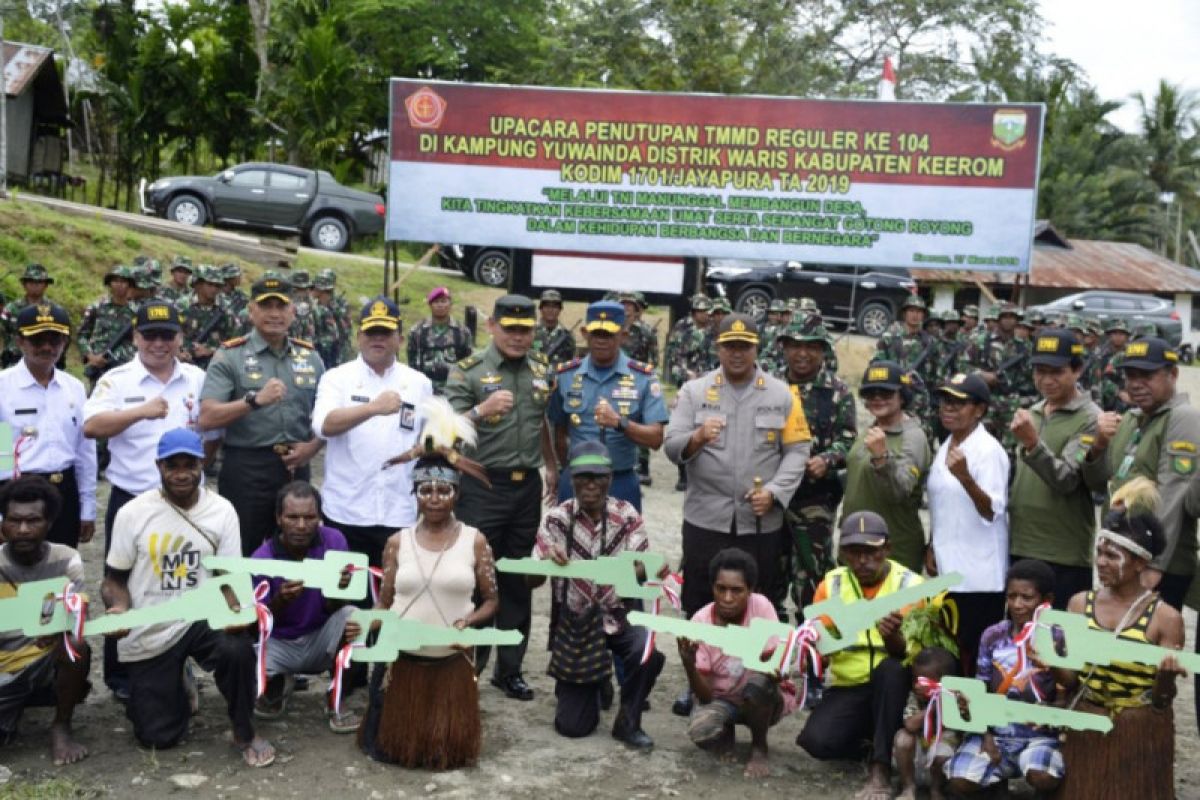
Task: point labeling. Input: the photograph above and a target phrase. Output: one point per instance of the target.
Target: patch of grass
(12, 250)
(37, 235)
(52, 789)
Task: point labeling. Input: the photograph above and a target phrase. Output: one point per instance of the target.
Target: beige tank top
(435, 586)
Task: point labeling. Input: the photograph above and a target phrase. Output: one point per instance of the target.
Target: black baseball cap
(737, 328)
(271, 285)
(864, 528)
(43, 318)
(884, 375)
(1055, 347)
(589, 458)
(1149, 352)
(967, 386)
(158, 315)
(514, 310)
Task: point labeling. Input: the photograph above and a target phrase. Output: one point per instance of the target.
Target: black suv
(867, 297)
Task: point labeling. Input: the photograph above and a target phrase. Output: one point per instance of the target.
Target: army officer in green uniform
(260, 388)
(504, 390)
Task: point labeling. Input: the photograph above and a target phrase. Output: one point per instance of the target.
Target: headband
(1120, 540)
(433, 473)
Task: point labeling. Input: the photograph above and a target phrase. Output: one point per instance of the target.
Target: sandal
(258, 753)
(345, 722)
(274, 701)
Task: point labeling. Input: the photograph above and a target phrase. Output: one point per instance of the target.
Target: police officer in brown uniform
(261, 388)
(504, 390)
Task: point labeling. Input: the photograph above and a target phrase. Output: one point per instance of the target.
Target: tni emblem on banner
(1008, 129)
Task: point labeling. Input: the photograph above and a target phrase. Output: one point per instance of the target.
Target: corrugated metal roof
(21, 65)
(1088, 264)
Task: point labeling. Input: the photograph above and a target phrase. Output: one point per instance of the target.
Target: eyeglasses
(158, 335)
(428, 490)
(876, 394)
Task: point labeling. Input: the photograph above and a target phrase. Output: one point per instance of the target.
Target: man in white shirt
(132, 406)
(367, 411)
(44, 406)
(159, 540)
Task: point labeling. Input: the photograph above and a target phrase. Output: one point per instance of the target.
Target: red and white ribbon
(374, 579)
(341, 663)
(266, 624)
(76, 607)
(801, 647)
(18, 446)
(931, 728)
(1022, 642)
(672, 590)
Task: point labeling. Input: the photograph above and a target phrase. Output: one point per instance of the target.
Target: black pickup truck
(274, 197)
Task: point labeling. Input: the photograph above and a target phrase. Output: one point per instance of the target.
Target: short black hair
(938, 658)
(1036, 572)
(734, 560)
(30, 489)
(300, 490)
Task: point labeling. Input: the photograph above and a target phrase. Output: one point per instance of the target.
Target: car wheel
(873, 319)
(492, 268)
(754, 302)
(187, 209)
(329, 233)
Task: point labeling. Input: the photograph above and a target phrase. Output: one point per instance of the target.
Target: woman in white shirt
(968, 498)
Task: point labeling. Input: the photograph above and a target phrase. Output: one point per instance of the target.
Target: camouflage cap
(627, 297)
(793, 304)
(154, 268)
(323, 282)
(971, 310)
(701, 303)
(993, 313)
(1010, 308)
(914, 301)
(808, 329)
(328, 273)
(230, 270)
(641, 300)
(181, 262)
(1093, 327)
(122, 271)
(1075, 323)
(142, 278)
(1036, 316)
(808, 304)
(140, 260)
(1145, 328)
(301, 279)
(777, 305)
(721, 306)
(1116, 324)
(932, 320)
(950, 315)
(550, 296)
(207, 273)
(36, 272)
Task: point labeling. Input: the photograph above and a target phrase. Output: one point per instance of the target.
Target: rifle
(1003, 369)
(929, 348)
(207, 330)
(91, 372)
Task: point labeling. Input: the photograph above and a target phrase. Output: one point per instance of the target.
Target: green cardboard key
(323, 574)
(994, 710)
(619, 571)
(746, 642)
(851, 618)
(6, 446)
(24, 612)
(1086, 645)
(396, 635)
(205, 602)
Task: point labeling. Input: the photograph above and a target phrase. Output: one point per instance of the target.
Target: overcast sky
(1127, 46)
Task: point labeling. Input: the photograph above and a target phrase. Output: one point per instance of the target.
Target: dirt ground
(522, 755)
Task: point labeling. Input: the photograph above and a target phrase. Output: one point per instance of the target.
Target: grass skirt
(423, 713)
(1134, 761)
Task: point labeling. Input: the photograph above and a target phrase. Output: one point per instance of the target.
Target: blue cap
(180, 440)
(379, 313)
(605, 315)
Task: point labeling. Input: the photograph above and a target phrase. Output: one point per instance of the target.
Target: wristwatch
(622, 424)
(251, 399)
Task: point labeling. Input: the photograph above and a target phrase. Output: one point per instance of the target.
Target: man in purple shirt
(308, 627)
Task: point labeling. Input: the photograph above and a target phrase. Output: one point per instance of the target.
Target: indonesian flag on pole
(887, 84)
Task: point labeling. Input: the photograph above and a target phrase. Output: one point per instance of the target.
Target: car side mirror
(795, 266)
(226, 176)
(1078, 305)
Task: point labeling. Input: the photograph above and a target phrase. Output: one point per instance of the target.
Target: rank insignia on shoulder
(641, 366)
(538, 356)
(1182, 445)
(301, 342)
(1087, 440)
(568, 365)
(236, 341)
(468, 362)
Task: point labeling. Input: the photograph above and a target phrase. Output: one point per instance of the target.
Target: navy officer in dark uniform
(610, 398)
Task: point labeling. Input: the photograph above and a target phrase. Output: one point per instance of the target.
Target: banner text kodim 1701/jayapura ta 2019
(931, 185)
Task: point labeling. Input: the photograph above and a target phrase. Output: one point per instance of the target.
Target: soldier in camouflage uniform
(331, 339)
(1112, 383)
(952, 347)
(550, 338)
(1004, 365)
(1092, 377)
(686, 354)
(436, 344)
(35, 279)
(304, 326)
(720, 310)
(832, 418)
(234, 299)
(206, 323)
(641, 340)
(179, 288)
(907, 343)
(104, 319)
(144, 286)
(341, 308)
(970, 320)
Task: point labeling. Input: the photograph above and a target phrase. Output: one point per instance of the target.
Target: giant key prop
(396, 635)
(1086, 645)
(994, 710)
(322, 574)
(619, 571)
(25, 611)
(6, 446)
(851, 618)
(204, 603)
